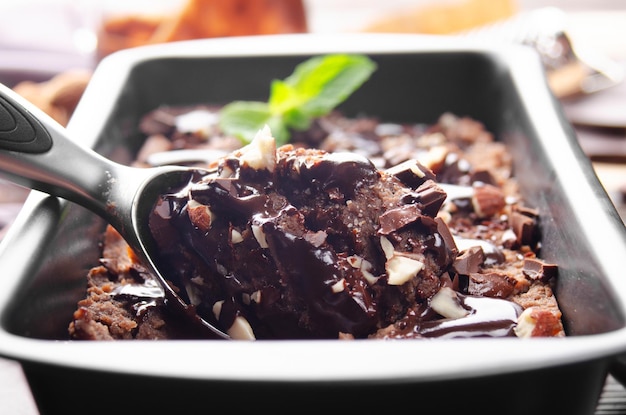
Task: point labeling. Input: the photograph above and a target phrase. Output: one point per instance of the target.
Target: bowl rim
(287, 360)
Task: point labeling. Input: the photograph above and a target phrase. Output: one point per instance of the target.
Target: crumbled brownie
(123, 301)
(382, 231)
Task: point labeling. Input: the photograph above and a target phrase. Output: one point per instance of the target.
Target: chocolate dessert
(355, 229)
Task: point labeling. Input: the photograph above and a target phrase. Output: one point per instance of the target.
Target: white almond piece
(339, 286)
(194, 203)
(410, 164)
(387, 247)
(355, 261)
(193, 293)
(202, 122)
(256, 296)
(417, 171)
(508, 236)
(217, 308)
(226, 172)
(261, 152)
(433, 139)
(365, 266)
(446, 303)
(525, 324)
(401, 269)
(259, 235)
(235, 236)
(241, 330)
(200, 215)
(457, 191)
(436, 156)
(369, 277)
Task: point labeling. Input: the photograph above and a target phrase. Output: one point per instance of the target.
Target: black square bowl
(47, 253)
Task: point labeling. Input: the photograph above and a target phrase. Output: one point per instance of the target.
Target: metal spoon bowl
(36, 152)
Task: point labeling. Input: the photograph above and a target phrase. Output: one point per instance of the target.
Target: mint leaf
(314, 89)
(244, 119)
(321, 83)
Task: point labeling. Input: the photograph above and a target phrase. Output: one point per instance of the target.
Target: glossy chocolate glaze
(290, 275)
(389, 231)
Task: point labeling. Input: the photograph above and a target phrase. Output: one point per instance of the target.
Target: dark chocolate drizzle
(293, 255)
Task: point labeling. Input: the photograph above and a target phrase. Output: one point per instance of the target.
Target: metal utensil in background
(570, 71)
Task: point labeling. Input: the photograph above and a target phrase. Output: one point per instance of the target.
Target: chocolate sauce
(316, 244)
(277, 245)
(144, 296)
(297, 224)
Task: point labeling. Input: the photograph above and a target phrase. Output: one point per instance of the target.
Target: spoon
(36, 152)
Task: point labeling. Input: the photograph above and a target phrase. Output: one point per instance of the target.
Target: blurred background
(42, 37)
(49, 49)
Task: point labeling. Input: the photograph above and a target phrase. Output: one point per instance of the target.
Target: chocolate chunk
(469, 261)
(431, 197)
(394, 219)
(308, 243)
(448, 239)
(523, 227)
(536, 269)
(412, 173)
(344, 171)
(493, 254)
(492, 284)
(295, 226)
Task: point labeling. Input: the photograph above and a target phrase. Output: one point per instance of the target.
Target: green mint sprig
(314, 89)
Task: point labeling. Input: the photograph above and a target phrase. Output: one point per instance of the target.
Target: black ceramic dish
(47, 253)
